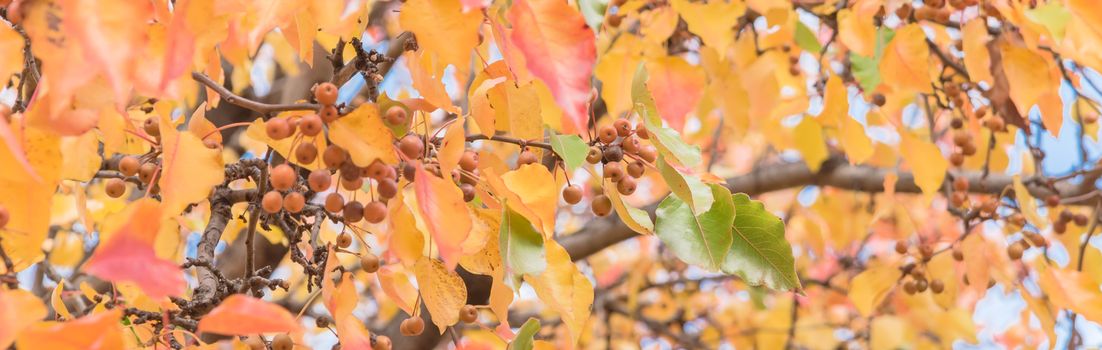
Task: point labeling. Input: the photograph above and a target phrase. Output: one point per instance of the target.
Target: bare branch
(263, 108)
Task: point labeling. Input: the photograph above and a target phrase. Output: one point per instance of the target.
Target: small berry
(960, 183)
(909, 287)
(310, 125)
(641, 131)
(636, 169)
(369, 263)
(329, 114)
(152, 127)
(145, 172)
(306, 153)
(344, 240)
(277, 128)
(128, 165)
(900, 247)
(607, 134)
(326, 93)
(631, 145)
(334, 202)
(614, 172)
(5, 216)
(601, 205)
(613, 154)
(626, 186)
(623, 127)
(377, 170)
(319, 180)
(294, 202)
(526, 157)
(375, 212)
(382, 342)
(468, 161)
(1015, 250)
(333, 156)
(282, 177)
(353, 212)
(272, 202)
(1052, 200)
(387, 188)
(352, 185)
(648, 154)
(879, 100)
(594, 156)
(921, 285)
(323, 321)
(282, 342)
(937, 286)
(396, 116)
(115, 187)
(468, 192)
(468, 314)
(572, 194)
(413, 326)
(412, 146)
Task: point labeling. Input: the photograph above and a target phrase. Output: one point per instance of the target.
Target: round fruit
(526, 157)
(334, 202)
(344, 240)
(282, 177)
(636, 169)
(1052, 200)
(145, 172)
(1015, 251)
(306, 153)
(1080, 219)
(409, 172)
(878, 99)
(623, 127)
(595, 155)
(468, 192)
(921, 285)
(468, 161)
(382, 342)
(277, 128)
(310, 125)
(333, 156)
(319, 180)
(115, 187)
(396, 115)
(648, 154)
(900, 247)
(631, 145)
(607, 134)
(626, 186)
(377, 170)
(350, 172)
(352, 185)
(960, 184)
(937, 286)
(129, 165)
(5, 216)
(412, 146)
(602, 205)
(369, 263)
(387, 188)
(957, 158)
(995, 123)
(353, 212)
(614, 154)
(323, 321)
(413, 326)
(641, 131)
(282, 342)
(468, 314)
(375, 212)
(256, 343)
(272, 202)
(614, 172)
(326, 93)
(294, 202)
(572, 194)
(909, 287)
(152, 127)
(329, 114)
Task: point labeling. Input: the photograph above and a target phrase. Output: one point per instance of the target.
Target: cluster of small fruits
(624, 159)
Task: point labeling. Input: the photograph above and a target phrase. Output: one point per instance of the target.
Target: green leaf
(760, 254)
(593, 11)
(1053, 16)
(666, 140)
(525, 339)
(687, 187)
(700, 239)
(571, 148)
(636, 219)
(521, 247)
(805, 39)
(867, 69)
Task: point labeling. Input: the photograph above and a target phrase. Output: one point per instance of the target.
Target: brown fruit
(614, 20)
(256, 343)
(641, 131)
(1036, 239)
(326, 93)
(900, 247)
(626, 186)
(631, 145)
(323, 321)
(1015, 250)
(961, 138)
(129, 165)
(152, 127)
(333, 156)
(937, 286)
(282, 342)
(468, 192)
(960, 183)
(329, 114)
(878, 99)
(306, 153)
(956, 123)
(613, 154)
(1060, 227)
(594, 156)
(969, 149)
(468, 161)
(636, 169)
(294, 202)
(413, 326)
(277, 128)
(995, 123)
(375, 212)
(382, 342)
(353, 212)
(572, 194)
(956, 158)
(623, 127)
(958, 253)
(926, 251)
(526, 157)
(601, 205)
(350, 172)
(614, 172)
(1052, 200)
(5, 216)
(115, 187)
(409, 172)
(352, 185)
(344, 240)
(396, 116)
(282, 177)
(272, 202)
(921, 285)
(1080, 219)
(387, 188)
(648, 154)
(468, 314)
(334, 202)
(319, 180)
(903, 12)
(412, 146)
(607, 134)
(377, 170)
(310, 125)
(369, 263)
(909, 287)
(145, 172)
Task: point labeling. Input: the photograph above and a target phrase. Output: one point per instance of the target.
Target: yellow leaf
(28, 200)
(855, 142)
(96, 331)
(443, 292)
(80, 157)
(11, 53)
(19, 309)
(782, 27)
(704, 20)
(658, 24)
(1033, 79)
(976, 58)
(1073, 290)
(452, 147)
(426, 81)
(57, 303)
(906, 63)
(443, 211)
(926, 162)
(726, 90)
(1046, 316)
(870, 287)
(189, 171)
(890, 332)
(564, 288)
(406, 241)
(857, 31)
(539, 198)
(809, 140)
(615, 70)
(201, 127)
(517, 110)
(443, 30)
(364, 136)
(485, 226)
(636, 219)
(395, 282)
(1027, 203)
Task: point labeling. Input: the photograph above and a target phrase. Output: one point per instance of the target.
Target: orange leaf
(559, 49)
(444, 211)
(677, 87)
(906, 63)
(18, 310)
(129, 256)
(396, 285)
(28, 200)
(443, 31)
(111, 33)
(190, 169)
(243, 315)
(99, 331)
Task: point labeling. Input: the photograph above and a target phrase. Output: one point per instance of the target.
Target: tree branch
(262, 108)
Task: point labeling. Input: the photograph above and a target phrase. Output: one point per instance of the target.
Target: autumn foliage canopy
(549, 174)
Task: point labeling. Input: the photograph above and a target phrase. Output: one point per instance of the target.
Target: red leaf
(129, 255)
(677, 87)
(559, 49)
(243, 315)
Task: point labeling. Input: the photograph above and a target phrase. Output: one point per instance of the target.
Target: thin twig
(262, 108)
